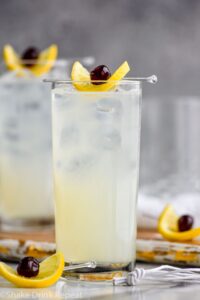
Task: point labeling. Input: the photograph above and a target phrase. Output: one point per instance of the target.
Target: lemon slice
(168, 227)
(44, 63)
(12, 60)
(50, 271)
(82, 82)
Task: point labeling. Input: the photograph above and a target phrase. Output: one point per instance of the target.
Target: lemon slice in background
(12, 60)
(82, 82)
(50, 271)
(44, 63)
(168, 227)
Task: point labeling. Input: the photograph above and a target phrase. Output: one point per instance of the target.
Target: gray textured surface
(155, 36)
(73, 290)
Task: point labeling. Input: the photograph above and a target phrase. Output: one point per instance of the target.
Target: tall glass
(170, 152)
(26, 200)
(25, 154)
(96, 138)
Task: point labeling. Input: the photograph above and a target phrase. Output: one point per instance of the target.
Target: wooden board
(39, 236)
(49, 235)
(151, 247)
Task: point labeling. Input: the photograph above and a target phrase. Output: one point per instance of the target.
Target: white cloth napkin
(149, 208)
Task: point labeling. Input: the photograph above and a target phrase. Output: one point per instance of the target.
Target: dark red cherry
(185, 222)
(31, 53)
(28, 267)
(100, 73)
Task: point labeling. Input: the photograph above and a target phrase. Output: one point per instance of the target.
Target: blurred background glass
(26, 181)
(170, 152)
(25, 151)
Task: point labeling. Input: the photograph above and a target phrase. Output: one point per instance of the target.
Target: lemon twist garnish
(43, 65)
(168, 227)
(50, 271)
(82, 82)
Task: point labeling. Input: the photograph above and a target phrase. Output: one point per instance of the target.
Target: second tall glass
(26, 198)
(25, 154)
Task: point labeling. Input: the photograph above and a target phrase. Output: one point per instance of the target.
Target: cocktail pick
(150, 79)
(162, 274)
(89, 264)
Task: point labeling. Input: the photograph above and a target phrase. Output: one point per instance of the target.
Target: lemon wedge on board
(50, 271)
(168, 227)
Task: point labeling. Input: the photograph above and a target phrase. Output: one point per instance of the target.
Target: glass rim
(4, 66)
(126, 80)
(60, 60)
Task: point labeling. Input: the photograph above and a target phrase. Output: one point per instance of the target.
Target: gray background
(155, 36)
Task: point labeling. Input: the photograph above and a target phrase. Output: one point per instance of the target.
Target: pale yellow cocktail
(96, 140)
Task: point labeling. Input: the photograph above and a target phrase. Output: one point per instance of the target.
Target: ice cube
(108, 108)
(7, 76)
(80, 163)
(69, 135)
(12, 75)
(106, 138)
(62, 101)
(111, 140)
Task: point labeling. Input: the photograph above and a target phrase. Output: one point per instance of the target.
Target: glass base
(26, 224)
(102, 272)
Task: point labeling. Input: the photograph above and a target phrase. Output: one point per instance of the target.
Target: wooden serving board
(151, 247)
(49, 235)
(15, 245)
(39, 236)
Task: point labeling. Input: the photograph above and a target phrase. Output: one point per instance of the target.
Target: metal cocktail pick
(89, 264)
(150, 79)
(160, 274)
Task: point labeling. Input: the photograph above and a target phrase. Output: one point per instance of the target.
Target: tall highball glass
(96, 141)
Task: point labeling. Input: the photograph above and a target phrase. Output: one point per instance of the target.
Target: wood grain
(40, 236)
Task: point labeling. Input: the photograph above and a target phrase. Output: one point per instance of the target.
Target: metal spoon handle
(150, 79)
(89, 264)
